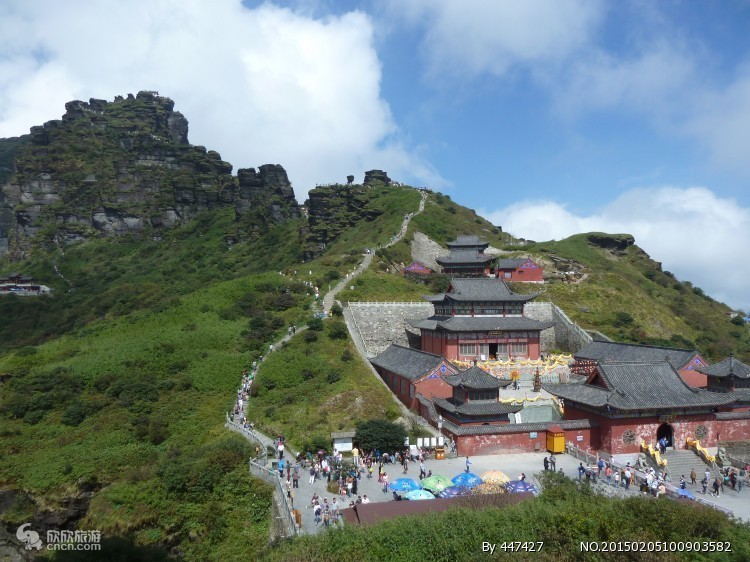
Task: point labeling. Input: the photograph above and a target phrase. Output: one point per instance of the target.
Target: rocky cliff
(331, 210)
(112, 168)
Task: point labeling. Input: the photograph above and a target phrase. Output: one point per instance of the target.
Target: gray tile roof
(613, 351)
(468, 240)
(479, 323)
(491, 429)
(476, 378)
(483, 289)
(730, 366)
(464, 256)
(639, 386)
(406, 362)
(477, 407)
(733, 416)
(510, 263)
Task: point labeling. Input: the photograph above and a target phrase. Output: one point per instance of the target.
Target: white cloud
(697, 235)
(472, 37)
(263, 85)
(722, 121)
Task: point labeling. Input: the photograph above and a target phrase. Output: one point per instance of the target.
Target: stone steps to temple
(681, 463)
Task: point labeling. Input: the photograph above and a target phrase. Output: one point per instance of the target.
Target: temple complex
(480, 319)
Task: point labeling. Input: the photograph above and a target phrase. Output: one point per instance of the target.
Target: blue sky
(549, 117)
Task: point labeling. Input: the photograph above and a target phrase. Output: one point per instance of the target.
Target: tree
(381, 435)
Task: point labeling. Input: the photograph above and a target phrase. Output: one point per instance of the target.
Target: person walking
(581, 471)
(385, 482)
(627, 478)
(608, 474)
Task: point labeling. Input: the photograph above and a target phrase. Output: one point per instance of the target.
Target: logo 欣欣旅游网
(28, 537)
(60, 540)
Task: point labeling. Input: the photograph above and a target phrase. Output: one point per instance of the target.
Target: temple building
(480, 319)
(467, 258)
(408, 372)
(635, 402)
(730, 375)
(687, 362)
(519, 270)
(475, 399)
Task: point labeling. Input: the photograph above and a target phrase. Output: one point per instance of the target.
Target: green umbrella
(436, 483)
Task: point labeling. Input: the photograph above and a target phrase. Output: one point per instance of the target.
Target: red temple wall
(516, 442)
(433, 388)
(693, 378)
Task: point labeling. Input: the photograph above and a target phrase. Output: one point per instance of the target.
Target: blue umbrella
(419, 495)
(468, 479)
(516, 486)
(684, 493)
(454, 491)
(403, 485)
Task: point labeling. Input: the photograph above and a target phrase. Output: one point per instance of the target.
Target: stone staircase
(681, 462)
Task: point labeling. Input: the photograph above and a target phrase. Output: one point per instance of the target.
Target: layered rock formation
(123, 167)
(331, 210)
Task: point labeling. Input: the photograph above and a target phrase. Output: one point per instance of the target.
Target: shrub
(33, 417)
(284, 301)
(333, 377)
(347, 355)
(26, 351)
(337, 330)
(316, 325)
(310, 336)
(622, 319)
(75, 414)
(336, 309)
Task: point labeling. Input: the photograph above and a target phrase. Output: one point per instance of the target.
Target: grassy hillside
(122, 377)
(627, 296)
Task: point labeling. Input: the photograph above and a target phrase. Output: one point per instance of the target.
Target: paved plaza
(511, 464)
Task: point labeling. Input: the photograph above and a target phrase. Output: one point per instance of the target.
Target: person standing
(608, 474)
(581, 471)
(546, 464)
(384, 479)
(552, 462)
(421, 470)
(628, 475)
(468, 463)
(693, 476)
(355, 456)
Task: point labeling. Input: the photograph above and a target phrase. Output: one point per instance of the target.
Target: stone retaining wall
(381, 324)
(565, 335)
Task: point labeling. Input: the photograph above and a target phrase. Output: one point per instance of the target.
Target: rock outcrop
(331, 210)
(376, 176)
(123, 167)
(613, 242)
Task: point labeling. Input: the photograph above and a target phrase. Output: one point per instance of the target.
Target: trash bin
(439, 453)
